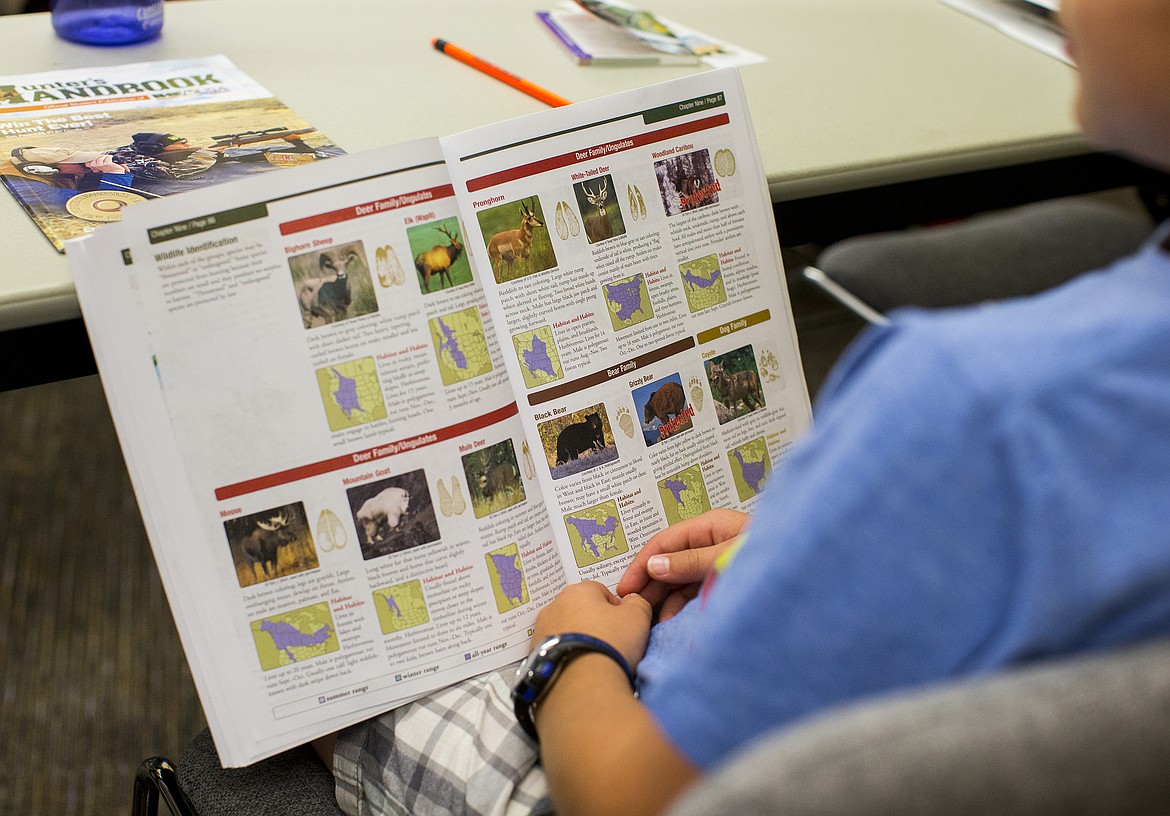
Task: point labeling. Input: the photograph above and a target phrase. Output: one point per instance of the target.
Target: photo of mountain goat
(393, 514)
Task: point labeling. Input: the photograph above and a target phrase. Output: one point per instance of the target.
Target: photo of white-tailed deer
(514, 245)
(597, 226)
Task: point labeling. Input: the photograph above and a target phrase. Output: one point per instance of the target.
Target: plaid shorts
(457, 751)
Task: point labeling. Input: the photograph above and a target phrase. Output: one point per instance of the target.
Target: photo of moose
(271, 544)
(493, 478)
(393, 514)
(662, 404)
(735, 383)
(517, 239)
(333, 284)
(687, 182)
(578, 441)
(599, 209)
(439, 259)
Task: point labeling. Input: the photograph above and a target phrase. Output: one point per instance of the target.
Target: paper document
(379, 410)
(1033, 23)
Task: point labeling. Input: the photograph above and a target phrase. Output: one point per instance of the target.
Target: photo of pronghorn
(735, 383)
(439, 259)
(271, 544)
(493, 478)
(687, 182)
(599, 208)
(393, 514)
(333, 284)
(517, 239)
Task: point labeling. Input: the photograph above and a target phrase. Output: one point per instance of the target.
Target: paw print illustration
(625, 421)
(696, 393)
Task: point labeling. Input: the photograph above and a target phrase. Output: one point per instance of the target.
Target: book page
(324, 441)
(79, 145)
(632, 269)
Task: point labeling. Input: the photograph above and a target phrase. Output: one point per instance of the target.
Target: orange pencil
(545, 96)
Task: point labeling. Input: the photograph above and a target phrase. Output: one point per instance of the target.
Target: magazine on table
(379, 410)
(79, 145)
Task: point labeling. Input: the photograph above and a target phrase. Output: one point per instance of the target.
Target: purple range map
(287, 637)
(627, 296)
(511, 578)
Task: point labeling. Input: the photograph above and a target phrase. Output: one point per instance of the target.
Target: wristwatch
(536, 674)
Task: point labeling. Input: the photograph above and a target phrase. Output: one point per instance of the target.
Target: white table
(856, 95)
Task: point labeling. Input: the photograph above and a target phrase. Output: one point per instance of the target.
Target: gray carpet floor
(92, 677)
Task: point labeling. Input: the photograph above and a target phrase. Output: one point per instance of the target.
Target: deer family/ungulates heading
(597, 226)
(438, 260)
(514, 245)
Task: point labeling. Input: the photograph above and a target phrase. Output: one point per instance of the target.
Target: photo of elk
(393, 514)
(271, 544)
(493, 478)
(577, 441)
(687, 182)
(599, 208)
(439, 257)
(735, 383)
(333, 284)
(663, 406)
(517, 239)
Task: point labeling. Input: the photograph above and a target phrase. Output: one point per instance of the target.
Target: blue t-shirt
(983, 487)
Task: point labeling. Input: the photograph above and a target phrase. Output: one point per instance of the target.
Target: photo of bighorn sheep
(333, 283)
(517, 239)
(439, 256)
(599, 208)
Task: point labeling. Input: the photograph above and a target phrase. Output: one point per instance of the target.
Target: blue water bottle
(107, 22)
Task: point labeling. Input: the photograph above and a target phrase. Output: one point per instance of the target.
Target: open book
(377, 411)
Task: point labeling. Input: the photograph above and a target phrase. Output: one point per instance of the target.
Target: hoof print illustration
(641, 203)
(529, 465)
(562, 223)
(724, 163)
(458, 503)
(446, 506)
(331, 533)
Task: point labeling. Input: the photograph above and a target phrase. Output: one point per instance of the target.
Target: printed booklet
(78, 145)
(379, 410)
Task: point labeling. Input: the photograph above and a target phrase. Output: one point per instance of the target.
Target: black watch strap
(536, 674)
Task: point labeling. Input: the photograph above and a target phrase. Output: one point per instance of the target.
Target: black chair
(988, 257)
